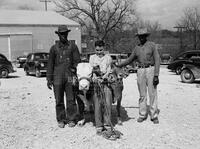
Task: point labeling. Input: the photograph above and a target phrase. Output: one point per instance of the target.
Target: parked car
(36, 63)
(118, 57)
(190, 72)
(21, 61)
(184, 58)
(166, 59)
(6, 67)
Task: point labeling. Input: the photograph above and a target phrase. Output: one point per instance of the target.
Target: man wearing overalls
(63, 59)
(146, 54)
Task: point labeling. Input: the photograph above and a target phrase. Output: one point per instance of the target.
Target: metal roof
(28, 17)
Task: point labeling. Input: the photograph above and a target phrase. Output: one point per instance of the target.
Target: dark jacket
(62, 58)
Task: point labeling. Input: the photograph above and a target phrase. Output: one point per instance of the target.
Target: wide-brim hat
(142, 31)
(62, 29)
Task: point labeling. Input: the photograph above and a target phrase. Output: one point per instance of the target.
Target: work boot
(141, 119)
(61, 124)
(155, 120)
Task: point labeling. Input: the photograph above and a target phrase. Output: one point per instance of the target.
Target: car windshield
(165, 56)
(41, 56)
(123, 57)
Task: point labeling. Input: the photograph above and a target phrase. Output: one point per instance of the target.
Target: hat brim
(57, 32)
(146, 34)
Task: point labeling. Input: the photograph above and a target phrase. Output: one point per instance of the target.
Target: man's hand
(49, 84)
(155, 80)
(96, 71)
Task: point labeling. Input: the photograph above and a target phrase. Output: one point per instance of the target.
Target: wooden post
(45, 2)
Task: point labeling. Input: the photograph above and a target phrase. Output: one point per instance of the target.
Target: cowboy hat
(142, 31)
(62, 29)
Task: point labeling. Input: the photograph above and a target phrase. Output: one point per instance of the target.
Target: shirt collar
(143, 45)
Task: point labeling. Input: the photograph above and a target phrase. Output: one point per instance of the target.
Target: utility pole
(45, 2)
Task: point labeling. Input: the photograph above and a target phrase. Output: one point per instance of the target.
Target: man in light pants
(147, 56)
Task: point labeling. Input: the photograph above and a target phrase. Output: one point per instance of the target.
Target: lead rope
(113, 130)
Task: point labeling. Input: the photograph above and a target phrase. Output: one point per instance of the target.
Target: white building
(22, 32)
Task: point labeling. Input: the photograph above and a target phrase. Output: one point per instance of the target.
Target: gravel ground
(27, 117)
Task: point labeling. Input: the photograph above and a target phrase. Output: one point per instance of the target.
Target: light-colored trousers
(145, 81)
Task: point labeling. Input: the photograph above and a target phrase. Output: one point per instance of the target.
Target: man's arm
(157, 61)
(128, 60)
(50, 65)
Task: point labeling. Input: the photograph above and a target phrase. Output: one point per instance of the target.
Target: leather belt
(145, 65)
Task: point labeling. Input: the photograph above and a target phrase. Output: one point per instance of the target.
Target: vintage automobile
(6, 67)
(36, 63)
(183, 58)
(21, 61)
(190, 72)
(166, 59)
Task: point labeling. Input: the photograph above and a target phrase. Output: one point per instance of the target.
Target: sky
(166, 12)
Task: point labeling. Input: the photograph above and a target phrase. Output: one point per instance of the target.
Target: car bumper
(43, 71)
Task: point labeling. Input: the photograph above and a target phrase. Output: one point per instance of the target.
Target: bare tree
(191, 22)
(102, 16)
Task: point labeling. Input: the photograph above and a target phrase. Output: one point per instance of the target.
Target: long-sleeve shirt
(146, 54)
(103, 62)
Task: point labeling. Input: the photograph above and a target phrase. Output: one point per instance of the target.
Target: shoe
(109, 135)
(155, 120)
(99, 131)
(141, 119)
(71, 124)
(61, 124)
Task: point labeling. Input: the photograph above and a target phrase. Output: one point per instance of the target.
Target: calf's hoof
(81, 122)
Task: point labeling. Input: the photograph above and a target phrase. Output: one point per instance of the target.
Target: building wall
(26, 39)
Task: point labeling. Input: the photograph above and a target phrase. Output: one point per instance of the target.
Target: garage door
(20, 45)
(4, 45)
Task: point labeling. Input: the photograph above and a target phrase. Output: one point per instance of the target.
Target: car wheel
(4, 73)
(178, 70)
(37, 73)
(187, 76)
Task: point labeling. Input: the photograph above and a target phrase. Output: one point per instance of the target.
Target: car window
(32, 57)
(123, 57)
(28, 57)
(41, 56)
(113, 57)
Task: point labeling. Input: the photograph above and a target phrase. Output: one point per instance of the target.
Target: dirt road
(27, 117)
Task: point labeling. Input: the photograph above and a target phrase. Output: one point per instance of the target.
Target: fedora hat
(142, 31)
(62, 29)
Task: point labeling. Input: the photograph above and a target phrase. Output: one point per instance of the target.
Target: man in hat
(63, 59)
(147, 56)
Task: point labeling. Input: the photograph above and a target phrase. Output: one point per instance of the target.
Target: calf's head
(84, 74)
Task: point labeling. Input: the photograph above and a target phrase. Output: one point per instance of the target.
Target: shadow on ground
(9, 77)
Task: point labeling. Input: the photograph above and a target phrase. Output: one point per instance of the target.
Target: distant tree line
(116, 22)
